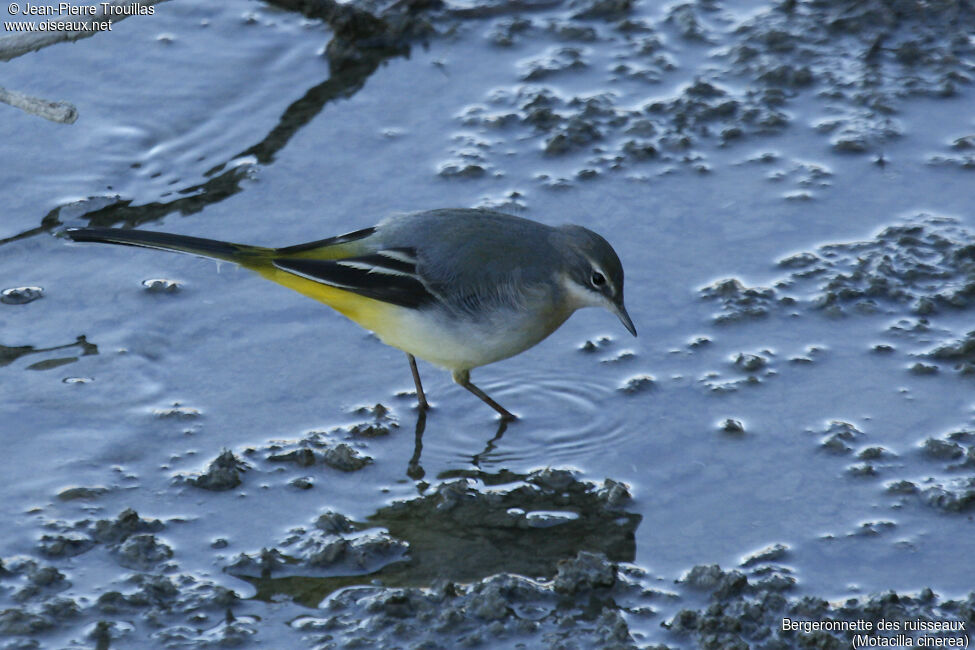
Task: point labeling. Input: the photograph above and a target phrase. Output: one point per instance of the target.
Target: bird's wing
(475, 261)
(388, 275)
(353, 243)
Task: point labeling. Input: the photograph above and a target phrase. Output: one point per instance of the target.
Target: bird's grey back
(480, 254)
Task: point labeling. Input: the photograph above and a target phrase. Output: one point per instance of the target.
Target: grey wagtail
(460, 288)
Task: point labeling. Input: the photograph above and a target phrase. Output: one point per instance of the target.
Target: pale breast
(463, 343)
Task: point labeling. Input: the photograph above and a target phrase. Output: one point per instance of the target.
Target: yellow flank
(373, 315)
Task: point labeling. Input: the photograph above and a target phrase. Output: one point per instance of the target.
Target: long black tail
(168, 242)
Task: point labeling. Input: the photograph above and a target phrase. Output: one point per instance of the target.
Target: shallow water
(227, 361)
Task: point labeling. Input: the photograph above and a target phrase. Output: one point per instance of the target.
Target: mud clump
(960, 353)
(222, 474)
(732, 427)
(500, 609)
(65, 545)
(922, 369)
(750, 363)
(128, 523)
(35, 581)
(771, 553)
(755, 70)
(839, 437)
(924, 265)
(321, 448)
(601, 9)
(166, 598)
(79, 492)
(638, 384)
(953, 488)
(954, 495)
(534, 552)
(39, 599)
(747, 611)
(456, 531)
(143, 552)
(585, 572)
(129, 536)
(750, 369)
(161, 286)
(379, 422)
(340, 456)
(300, 457)
(949, 488)
(954, 446)
(740, 303)
(911, 51)
(560, 59)
(345, 458)
(20, 295)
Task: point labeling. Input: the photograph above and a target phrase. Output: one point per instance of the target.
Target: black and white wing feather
(388, 275)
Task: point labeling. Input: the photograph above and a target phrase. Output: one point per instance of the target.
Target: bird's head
(593, 273)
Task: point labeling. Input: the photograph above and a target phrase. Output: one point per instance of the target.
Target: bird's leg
(463, 377)
(420, 397)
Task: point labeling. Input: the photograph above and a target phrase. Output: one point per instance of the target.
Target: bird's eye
(597, 279)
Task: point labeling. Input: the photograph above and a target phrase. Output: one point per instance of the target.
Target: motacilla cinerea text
(459, 288)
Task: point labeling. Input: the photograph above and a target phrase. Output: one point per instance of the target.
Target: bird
(457, 287)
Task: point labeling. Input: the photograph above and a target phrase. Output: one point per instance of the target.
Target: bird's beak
(620, 312)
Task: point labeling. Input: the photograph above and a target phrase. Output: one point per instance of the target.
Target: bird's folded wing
(328, 249)
(387, 275)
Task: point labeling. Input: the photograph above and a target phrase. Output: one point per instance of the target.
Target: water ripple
(562, 420)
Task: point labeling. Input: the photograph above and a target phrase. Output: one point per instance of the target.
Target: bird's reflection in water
(416, 472)
(470, 525)
(465, 526)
